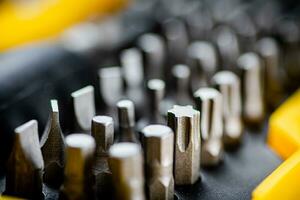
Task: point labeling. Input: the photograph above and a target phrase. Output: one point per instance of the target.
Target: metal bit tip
(126, 164)
(126, 113)
(159, 148)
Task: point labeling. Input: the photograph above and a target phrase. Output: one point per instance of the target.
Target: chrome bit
(25, 164)
(269, 51)
(209, 103)
(159, 150)
(53, 149)
(252, 87)
(84, 108)
(154, 47)
(177, 40)
(132, 66)
(227, 43)
(185, 122)
(229, 86)
(78, 179)
(111, 85)
(126, 164)
(202, 58)
(182, 74)
(126, 117)
(103, 133)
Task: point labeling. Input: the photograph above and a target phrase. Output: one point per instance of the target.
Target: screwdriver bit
(229, 85)
(53, 149)
(185, 122)
(132, 66)
(103, 133)
(126, 117)
(126, 164)
(25, 164)
(252, 87)
(227, 44)
(273, 90)
(156, 90)
(84, 108)
(111, 85)
(154, 48)
(209, 103)
(177, 40)
(182, 74)
(78, 178)
(202, 57)
(159, 150)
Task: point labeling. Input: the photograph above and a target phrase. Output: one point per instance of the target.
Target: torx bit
(126, 115)
(154, 48)
(209, 103)
(53, 149)
(103, 133)
(84, 108)
(273, 90)
(111, 85)
(78, 179)
(159, 150)
(229, 85)
(202, 57)
(126, 164)
(252, 87)
(185, 122)
(25, 165)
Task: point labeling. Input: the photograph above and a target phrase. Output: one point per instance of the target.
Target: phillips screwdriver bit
(154, 48)
(126, 164)
(202, 57)
(159, 150)
(252, 87)
(185, 122)
(103, 133)
(83, 108)
(53, 149)
(156, 90)
(273, 90)
(126, 117)
(78, 179)
(111, 85)
(229, 86)
(25, 165)
(209, 103)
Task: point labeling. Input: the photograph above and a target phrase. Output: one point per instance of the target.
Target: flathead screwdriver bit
(253, 101)
(158, 142)
(185, 122)
(126, 164)
(229, 85)
(25, 164)
(78, 179)
(103, 133)
(83, 108)
(53, 149)
(209, 103)
(126, 115)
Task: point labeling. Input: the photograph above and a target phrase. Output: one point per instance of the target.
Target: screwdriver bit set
(177, 110)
